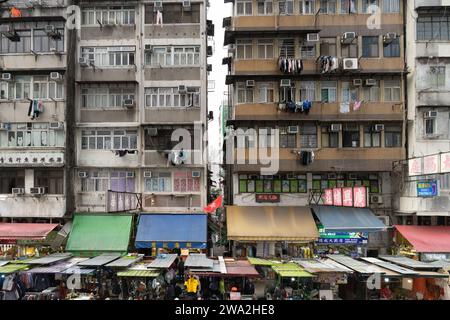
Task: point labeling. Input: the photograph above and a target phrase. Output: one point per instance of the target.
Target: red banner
(213, 206)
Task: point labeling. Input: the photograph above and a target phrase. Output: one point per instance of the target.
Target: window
(349, 6)
(21, 46)
(171, 98)
(370, 47)
(273, 184)
(51, 180)
(109, 56)
(372, 93)
(329, 91)
(393, 136)
(266, 92)
(265, 49)
(107, 139)
(184, 182)
(392, 49)
(244, 7)
(350, 136)
(163, 140)
(122, 15)
(32, 135)
(265, 137)
(11, 178)
(372, 138)
(308, 51)
(287, 140)
(286, 7)
(349, 93)
(244, 49)
(436, 76)
(104, 180)
(307, 91)
(392, 90)
(329, 139)
(308, 134)
(391, 6)
(287, 48)
(349, 50)
(33, 87)
(328, 6)
(287, 93)
(173, 13)
(433, 27)
(173, 56)
(244, 94)
(430, 126)
(307, 7)
(265, 8)
(246, 138)
(369, 6)
(159, 182)
(99, 97)
(121, 182)
(328, 47)
(43, 43)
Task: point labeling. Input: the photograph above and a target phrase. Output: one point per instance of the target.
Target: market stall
(293, 282)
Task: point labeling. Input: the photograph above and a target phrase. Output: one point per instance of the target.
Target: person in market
(386, 293)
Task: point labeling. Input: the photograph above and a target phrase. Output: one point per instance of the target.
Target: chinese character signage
(268, 198)
(427, 188)
(445, 162)
(431, 164)
(346, 197)
(415, 167)
(17, 159)
(341, 238)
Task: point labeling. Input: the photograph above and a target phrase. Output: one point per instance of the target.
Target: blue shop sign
(427, 188)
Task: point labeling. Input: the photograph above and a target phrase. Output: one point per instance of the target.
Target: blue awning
(343, 219)
(171, 231)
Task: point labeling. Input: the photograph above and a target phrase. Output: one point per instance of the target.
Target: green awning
(291, 270)
(139, 273)
(94, 234)
(260, 262)
(11, 268)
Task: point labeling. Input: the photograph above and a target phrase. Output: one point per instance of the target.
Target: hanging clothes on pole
(159, 18)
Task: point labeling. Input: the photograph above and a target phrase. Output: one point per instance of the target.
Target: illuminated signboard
(346, 197)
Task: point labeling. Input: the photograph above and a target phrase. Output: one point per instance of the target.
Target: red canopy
(25, 231)
(241, 268)
(427, 239)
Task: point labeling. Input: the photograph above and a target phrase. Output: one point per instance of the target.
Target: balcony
(173, 203)
(108, 75)
(31, 62)
(153, 158)
(109, 115)
(329, 159)
(172, 73)
(172, 115)
(433, 98)
(28, 206)
(106, 33)
(436, 48)
(172, 31)
(17, 111)
(429, 3)
(106, 158)
(370, 111)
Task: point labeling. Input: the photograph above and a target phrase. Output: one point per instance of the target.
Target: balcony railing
(117, 201)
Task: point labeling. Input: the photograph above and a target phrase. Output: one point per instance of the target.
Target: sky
(217, 11)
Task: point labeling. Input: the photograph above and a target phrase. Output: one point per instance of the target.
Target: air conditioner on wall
(158, 6)
(56, 76)
(6, 76)
(82, 174)
(147, 174)
(431, 114)
(389, 37)
(292, 129)
(196, 174)
(285, 83)
(312, 37)
(57, 125)
(350, 64)
(348, 37)
(357, 82)
(187, 5)
(37, 190)
(18, 191)
(370, 82)
(250, 83)
(375, 199)
(352, 176)
(83, 62)
(378, 127)
(335, 127)
(128, 103)
(182, 89)
(130, 174)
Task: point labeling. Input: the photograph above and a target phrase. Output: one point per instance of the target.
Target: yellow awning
(271, 224)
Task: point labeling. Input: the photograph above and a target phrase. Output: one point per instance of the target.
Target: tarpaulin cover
(427, 238)
(94, 234)
(25, 231)
(172, 231)
(340, 219)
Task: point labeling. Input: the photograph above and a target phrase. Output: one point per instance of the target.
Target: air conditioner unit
(348, 37)
(37, 190)
(357, 82)
(431, 114)
(350, 64)
(5, 126)
(7, 30)
(196, 174)
(158, 6)
(285, 83)
(128, 103)
(83, 62)
(389, 37)
(148, 48)
(312, 37)
(335, 127)
(56, 76)
(375, 199)
(209, 51)
(6, 76)
(51, 31)
(152, 132)
(57, 125)
(378, 127)
(130, 174)
(292, 129)
(187, 5)
(250, 83)
(226, 22)
(385, 219)
(18, 191)
(371, 82)
(352, 176)
(332, 176)
(182, 89)
(82, 174)
(147, 174)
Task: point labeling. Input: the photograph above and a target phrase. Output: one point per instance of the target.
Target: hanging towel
(159, 18)
(345, 107)
(357, 105)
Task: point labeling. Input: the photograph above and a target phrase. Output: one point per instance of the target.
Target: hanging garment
(344, 107)
(299, 107)
(334, 63)
(357, 105)
(15, 12)
(191, 285)
(121, 153)
(159, 18)
(291, 106)
(307, 105)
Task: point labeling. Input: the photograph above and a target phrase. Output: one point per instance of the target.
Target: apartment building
(329, 75)
(428, 59)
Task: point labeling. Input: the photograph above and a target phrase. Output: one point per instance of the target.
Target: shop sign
(431, 164)
(53, 159)
(268, 198)
(415, 167)
(427, 188)
(445, 163)
(352, 238)
(434, 164)
(8, 241)
(346, 197)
